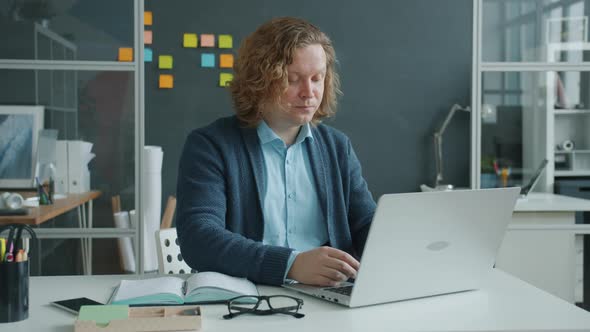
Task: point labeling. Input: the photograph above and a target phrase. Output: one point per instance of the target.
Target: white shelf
(572, 173)
(570, 111)
(572, 151)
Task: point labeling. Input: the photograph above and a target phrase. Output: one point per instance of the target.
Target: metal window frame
(480, 67)
(139, 109)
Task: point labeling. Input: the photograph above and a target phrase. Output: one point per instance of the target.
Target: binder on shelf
(72, 174)
(61, 168)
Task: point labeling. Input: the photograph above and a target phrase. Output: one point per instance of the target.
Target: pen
(9, 244)
(2, 249)
(9, 256)
(25, 244)
(19, 256)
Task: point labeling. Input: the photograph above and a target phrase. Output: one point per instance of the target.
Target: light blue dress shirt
(292, 213)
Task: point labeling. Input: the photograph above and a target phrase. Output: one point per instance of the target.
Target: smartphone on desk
(73, 305)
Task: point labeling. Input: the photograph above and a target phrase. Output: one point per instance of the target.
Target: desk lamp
(438, 139)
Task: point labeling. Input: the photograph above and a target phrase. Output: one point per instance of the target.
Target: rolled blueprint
(151, 190)
(125, 244)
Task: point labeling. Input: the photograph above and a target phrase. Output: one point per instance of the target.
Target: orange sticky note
(125, 54)
(147, 18)
(166, 81)
(225, 79)
(207, 40)
(226, 61)
(190, 40)
(147, 37)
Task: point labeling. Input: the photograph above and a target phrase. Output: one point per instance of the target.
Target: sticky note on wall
(147, 18)
(147, 37)
(226, 61)
(225, 41)
(147, 55)
(125, 54)
(225, 79)
(165, 62)
(207, 40)
(166, 81)
(190, 40)
(208, 60)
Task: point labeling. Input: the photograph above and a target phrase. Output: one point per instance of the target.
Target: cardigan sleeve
(362, 206)
(205, 243)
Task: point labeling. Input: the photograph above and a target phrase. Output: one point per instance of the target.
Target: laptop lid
(534, 179)
(430, 243)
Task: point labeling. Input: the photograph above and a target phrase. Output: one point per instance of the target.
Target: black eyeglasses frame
(292, 310)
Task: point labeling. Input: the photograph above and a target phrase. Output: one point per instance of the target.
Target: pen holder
(14, 291)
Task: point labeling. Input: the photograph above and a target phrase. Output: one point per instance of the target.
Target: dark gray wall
(402, 65)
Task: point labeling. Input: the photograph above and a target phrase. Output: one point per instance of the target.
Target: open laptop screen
(534, 179)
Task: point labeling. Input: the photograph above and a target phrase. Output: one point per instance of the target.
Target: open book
(202, 287)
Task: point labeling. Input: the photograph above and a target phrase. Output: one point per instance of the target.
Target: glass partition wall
(533, 87)
(63, 55)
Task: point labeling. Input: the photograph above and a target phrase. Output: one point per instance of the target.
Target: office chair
(170, 260)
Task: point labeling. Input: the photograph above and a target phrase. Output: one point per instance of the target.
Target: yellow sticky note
(165, 62)
(225, 41)
(207, 40)
(147, 37)
(125, 54)
(190, 40)
(147, 18)
(166, 81)
(225, 79)
(226, 61)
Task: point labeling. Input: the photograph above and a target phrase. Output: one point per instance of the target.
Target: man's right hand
(324, 266)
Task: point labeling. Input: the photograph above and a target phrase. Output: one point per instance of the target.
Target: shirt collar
(267, 135)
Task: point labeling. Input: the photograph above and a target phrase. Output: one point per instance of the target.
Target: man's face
(306, 76)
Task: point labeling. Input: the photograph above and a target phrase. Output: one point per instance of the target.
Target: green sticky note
(103, 314)
(225, 41)
(190, 40)
(165, 62)
(225, 79)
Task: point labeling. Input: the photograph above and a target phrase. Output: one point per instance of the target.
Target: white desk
(505, 304)
(540, 245)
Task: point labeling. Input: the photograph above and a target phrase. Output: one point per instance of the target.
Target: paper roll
(567, 145)
(122, 220)
(151, 203)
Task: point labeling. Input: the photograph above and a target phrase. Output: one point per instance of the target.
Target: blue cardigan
(219, 216)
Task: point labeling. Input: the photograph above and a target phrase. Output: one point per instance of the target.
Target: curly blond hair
(261, 68)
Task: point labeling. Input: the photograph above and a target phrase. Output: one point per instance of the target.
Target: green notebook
(203, 287)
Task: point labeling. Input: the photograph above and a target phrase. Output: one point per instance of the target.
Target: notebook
(199, 288)
(426, 244)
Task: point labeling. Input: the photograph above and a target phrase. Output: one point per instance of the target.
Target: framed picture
(19, 133)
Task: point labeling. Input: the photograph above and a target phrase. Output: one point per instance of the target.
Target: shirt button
(291, 195)
(288, 162)
(290, 231)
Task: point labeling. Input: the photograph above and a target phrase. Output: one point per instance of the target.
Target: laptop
(525, 190)
(425, 244)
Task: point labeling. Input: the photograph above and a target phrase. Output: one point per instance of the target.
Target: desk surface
(505, 304)
(546, 202)
(42, 213)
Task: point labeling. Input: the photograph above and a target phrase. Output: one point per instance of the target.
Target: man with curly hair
(272, 193)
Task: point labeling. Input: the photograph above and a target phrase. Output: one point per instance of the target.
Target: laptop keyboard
(344, 290)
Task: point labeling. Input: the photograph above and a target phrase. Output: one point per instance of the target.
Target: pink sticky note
(147, 37)
(207, 40)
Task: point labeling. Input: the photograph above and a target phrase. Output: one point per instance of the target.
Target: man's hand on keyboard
(324, 266)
